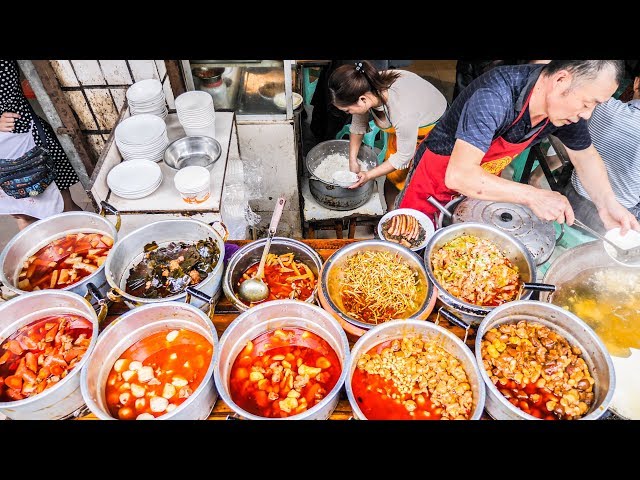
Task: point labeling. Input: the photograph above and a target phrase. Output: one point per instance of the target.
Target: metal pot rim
(221, 384)
(23, 234)
(207, 377)
(78, 368)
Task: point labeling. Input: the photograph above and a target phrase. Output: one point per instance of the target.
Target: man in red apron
(503, 112)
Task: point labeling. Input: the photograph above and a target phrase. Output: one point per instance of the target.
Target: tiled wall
(96, 91)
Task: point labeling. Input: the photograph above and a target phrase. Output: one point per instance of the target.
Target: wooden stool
(330, 224)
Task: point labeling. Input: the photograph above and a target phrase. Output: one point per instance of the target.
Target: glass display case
(254, 89)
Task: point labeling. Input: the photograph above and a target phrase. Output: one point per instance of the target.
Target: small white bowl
(630, 240)
(423, 219)
(344, 178)
(281, 102)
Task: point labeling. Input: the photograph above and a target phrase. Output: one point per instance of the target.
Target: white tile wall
(79, 105)
(103, 107)
(88, 72)
(162, 68)
(64, 72)
(143, 69)
(118, 95)
(116, 72)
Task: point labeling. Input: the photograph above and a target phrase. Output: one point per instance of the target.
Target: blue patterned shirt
(488, 106)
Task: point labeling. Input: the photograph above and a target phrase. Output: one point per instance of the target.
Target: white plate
(631, 239)
(140, 129)
(134, 176)
(422, 218)
(144, 90)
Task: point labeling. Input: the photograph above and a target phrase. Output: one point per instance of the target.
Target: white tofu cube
(158, 404)
(145, 374)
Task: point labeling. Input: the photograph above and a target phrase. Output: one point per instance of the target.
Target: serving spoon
(254, 289)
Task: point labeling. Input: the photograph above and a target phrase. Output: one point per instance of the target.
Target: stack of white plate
(134, 179)
(147, 96)
(142, 137)
(196, 113)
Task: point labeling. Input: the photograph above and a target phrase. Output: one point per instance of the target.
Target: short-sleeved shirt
(488, 106)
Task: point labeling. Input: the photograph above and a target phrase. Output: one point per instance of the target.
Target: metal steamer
(329, 194)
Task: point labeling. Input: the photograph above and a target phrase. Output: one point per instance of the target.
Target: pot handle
(561, 233)
(224, 235)
(539, 287)
(191, 291)
(106, 207)
(92, 291)
(455, 320)
(439, 206)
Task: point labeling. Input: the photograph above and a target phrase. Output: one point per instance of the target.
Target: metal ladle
(254, 289)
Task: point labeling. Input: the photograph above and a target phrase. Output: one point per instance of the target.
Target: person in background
(503, 112)
(401, 103)
(18, 135)
(614, 128)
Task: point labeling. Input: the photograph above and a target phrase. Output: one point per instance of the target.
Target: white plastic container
(193, 183)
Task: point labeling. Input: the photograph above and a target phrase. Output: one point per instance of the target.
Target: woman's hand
(354, 166)
(363, 178)
(8, 121)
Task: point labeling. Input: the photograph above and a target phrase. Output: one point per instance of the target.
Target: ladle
(254, 289)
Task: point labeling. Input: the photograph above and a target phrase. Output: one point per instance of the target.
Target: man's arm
(593, 175)
(465, 175)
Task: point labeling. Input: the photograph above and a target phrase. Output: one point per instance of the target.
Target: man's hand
(362, 179)
(613, 214)
(8, 121)
(550, 205)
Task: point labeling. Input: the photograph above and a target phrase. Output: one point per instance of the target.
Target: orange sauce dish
(37, 356)
(283, 372)
(286, 278)
(157, 374)
(65, 261)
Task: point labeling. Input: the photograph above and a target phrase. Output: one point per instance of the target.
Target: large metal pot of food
(283, 359)
(328, 193)
(538, 360)
(457, 259)
(283, 279)
(416, 357)
(45, 339)
(147, 262)
(153, 362)
(373, 281)
(606, 296)
(65, 251)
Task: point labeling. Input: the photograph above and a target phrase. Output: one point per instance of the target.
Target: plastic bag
(235, 210)
(253, 176)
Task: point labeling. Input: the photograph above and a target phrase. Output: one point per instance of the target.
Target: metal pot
(65, 398)
(37, 235)
(397, 329)
(251, 253)
(129, 250)
(329, 194)
(281, 314)
(134, 326)
(570, 327)
(514, 250)
(330, 282)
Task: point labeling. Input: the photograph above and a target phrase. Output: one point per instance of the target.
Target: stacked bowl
(142, 137)
(134, 179)
(147, 96)
(196, 113)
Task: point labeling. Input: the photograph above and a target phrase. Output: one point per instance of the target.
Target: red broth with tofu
(37, 356)
(65, 261)
(283, 372)
(157, 374)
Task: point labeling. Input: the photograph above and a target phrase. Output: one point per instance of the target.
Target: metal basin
(396, 329)
(331, 283)
(37, 235)
(570, 327)
(197, 151)
(129, 251)
(65, 398)
(251, 253)
(134, 326)
(329, 194)
(281, 314)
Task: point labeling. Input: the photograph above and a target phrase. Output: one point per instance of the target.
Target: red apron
(428, 179)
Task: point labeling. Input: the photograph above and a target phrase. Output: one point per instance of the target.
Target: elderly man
(501, 113)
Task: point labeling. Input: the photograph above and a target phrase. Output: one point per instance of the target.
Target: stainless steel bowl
(513, 248)
(428, 331)
(331, 280)
(251, 253)
(197, 151)
(281, 314)
(570, 327)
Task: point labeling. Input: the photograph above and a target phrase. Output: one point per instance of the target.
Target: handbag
(30, 174)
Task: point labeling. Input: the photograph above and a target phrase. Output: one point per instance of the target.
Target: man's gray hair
(586, 69)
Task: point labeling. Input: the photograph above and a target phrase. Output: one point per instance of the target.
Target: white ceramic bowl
(344, 178)
(281, 102)
(629, 240)
(424, 221)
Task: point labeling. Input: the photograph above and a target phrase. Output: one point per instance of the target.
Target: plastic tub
(193, 183)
